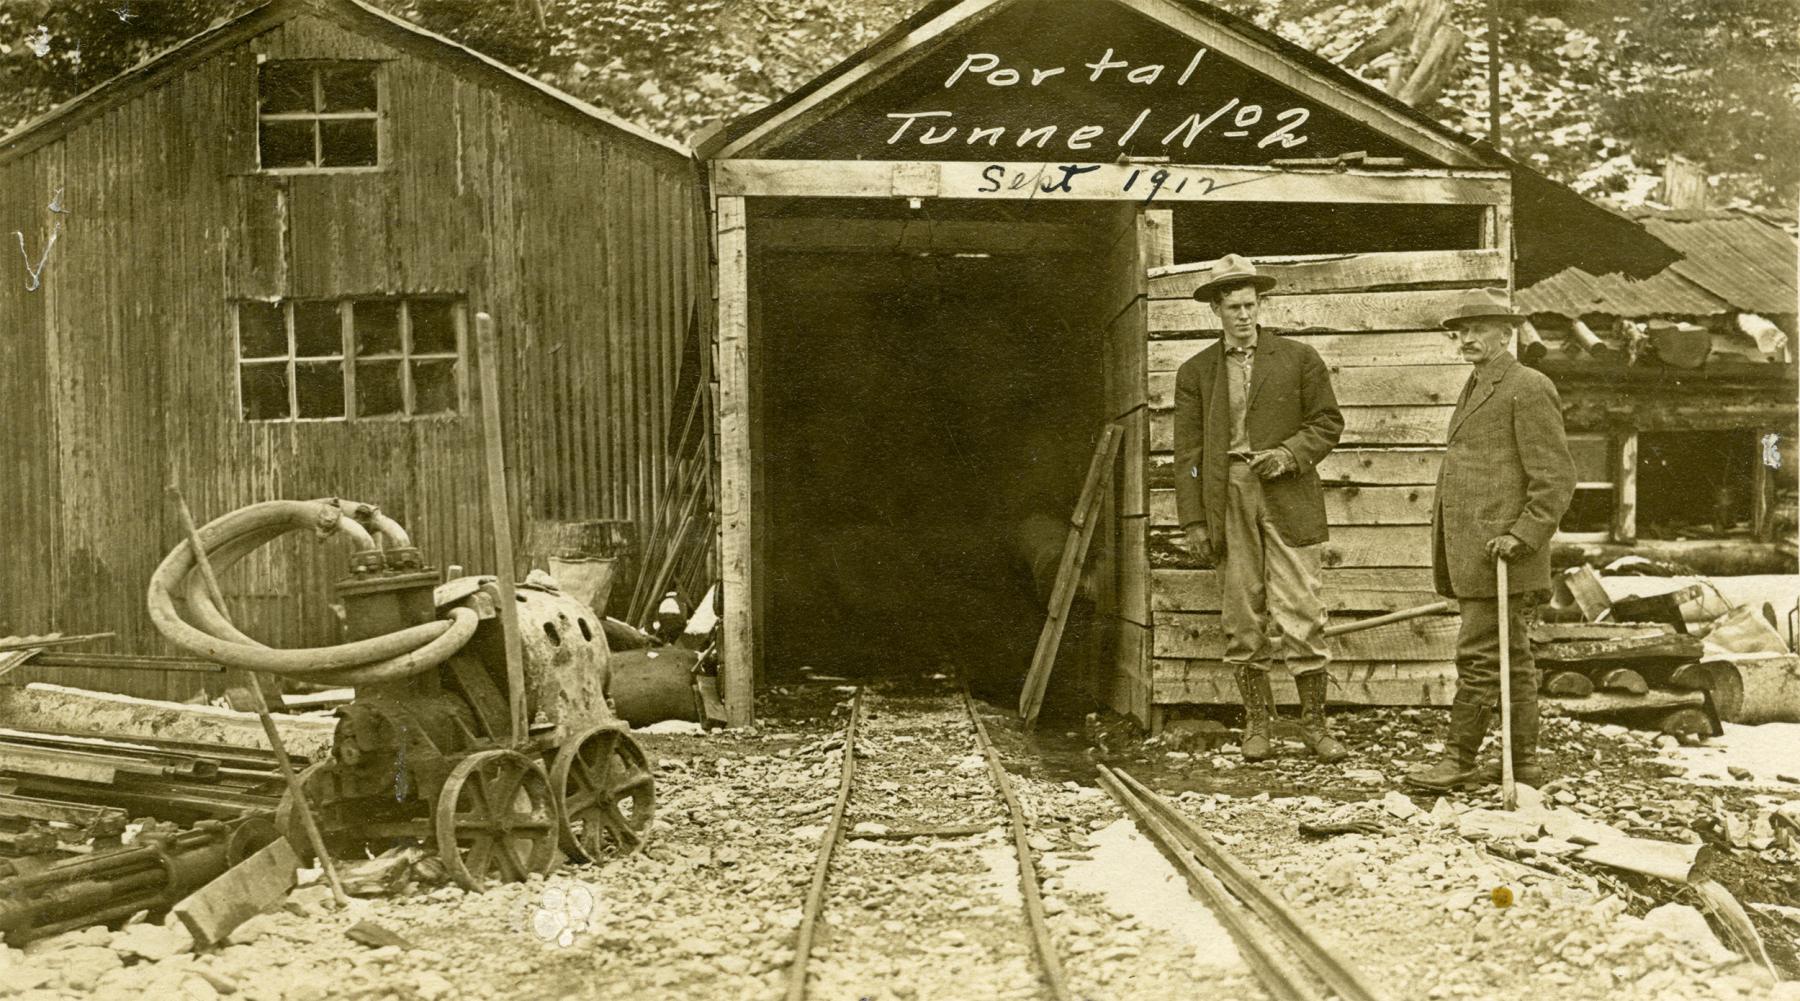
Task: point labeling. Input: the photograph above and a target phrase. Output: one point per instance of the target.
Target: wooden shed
(261, 254)
(948, 263)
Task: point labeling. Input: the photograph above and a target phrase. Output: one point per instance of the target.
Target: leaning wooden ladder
(1068, 572)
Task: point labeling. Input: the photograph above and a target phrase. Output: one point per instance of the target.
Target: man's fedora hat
(1481, 304)
(1229, 272)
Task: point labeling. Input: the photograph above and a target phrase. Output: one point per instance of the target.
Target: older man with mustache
(1504, 484)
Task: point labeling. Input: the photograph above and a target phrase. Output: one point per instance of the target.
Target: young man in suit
(1504, 484)
(1254, 414)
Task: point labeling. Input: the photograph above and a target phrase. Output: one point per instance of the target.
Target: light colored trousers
(1264, 578)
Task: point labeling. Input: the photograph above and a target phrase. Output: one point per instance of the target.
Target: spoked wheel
(605, 793)
(496, 819)
(316, 780)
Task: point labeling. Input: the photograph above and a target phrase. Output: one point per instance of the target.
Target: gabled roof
(1331, 83)
(351, 15)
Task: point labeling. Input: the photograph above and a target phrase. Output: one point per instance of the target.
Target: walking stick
(1509, 796)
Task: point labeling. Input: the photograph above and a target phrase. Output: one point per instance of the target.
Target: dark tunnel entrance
(927, 416)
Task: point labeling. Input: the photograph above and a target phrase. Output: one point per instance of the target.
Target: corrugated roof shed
(1573, 293)
(1733, 261)
(1738, 256)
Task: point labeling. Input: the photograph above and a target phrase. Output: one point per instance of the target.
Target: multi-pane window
(1591, 509)
(333, 359)
(317, 115)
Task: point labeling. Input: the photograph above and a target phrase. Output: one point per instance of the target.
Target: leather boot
(1526, 769)
(1253, 688)
(1468, 725)
(1314, 732)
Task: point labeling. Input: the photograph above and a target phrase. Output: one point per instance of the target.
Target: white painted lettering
(1193, 64)
(1106, 62)
(1247, 115)
(1039, 76)
(910, 118)
(1145, 74)
(987, 60)
(1134, 127)
(1290, 119)
(991, 135)
(931, 137)
(1196, 125)
(1003, 78)
(1041, 134)
(1082, 138)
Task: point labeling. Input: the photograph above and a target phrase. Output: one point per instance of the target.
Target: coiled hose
(206, 632)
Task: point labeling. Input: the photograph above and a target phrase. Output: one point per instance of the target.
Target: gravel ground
(709, 909)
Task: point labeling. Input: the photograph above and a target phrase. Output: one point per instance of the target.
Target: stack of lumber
(1647, 674)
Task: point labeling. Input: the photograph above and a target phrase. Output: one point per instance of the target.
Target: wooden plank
(1344, 505)
(1042, 181)
(1368, 466)
(1625, 489)
(252, 886)
(1360, 385)
(1395, 425)
(1348, 272)
(1341, 589)
(1068, 572)
(1349, 546)
(821, 235)
(1201, 636)
(736, 467)
(1129, 693)
(1418, 347)
(1334, 311)
(1416, 683)
(1671, 647)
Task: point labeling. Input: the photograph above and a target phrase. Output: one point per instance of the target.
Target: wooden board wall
(1373, 318)
(121, 375)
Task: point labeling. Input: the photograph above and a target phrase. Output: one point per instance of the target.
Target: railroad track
(917, 821)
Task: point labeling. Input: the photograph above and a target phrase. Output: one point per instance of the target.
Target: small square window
(347, 144)
(263, 391)
(347, 88)
(434, 386)
(319, 389)
(377, 326)
(286, 144)
(318, 330)
(378, 390)
(433, 326)
(314, 115)
(285, 87)
(262, 332)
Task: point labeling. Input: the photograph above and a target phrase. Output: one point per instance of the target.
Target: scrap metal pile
(481, 731)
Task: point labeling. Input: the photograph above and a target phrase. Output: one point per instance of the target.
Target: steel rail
(1283, 981)
(1028, 882)
(815, 894)
(1339, 975)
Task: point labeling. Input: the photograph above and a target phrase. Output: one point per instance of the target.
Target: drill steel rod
(262, 709)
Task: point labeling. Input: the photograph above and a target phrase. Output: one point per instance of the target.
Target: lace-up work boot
(1314, 731)
(1468, 725)
(1526, 769)
(1253, 688)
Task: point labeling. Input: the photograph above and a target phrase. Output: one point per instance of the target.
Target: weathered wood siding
(1374, 319)
(121, 374)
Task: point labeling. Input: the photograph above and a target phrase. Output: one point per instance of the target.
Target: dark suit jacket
(1290, 404)
(1506, 470)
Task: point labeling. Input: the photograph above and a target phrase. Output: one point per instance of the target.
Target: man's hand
(1272, 463)
(1508, 547)
(1201, 544)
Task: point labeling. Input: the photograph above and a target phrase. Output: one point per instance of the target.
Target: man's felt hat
(1229, 272)
(1481, 304)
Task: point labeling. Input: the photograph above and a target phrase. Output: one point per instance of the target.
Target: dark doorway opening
(926, 420)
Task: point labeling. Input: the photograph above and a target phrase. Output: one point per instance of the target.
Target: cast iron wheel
(605, 794)
(315, 780)
(495, 819)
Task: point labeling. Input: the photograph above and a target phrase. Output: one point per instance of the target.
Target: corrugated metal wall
(121, 375)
